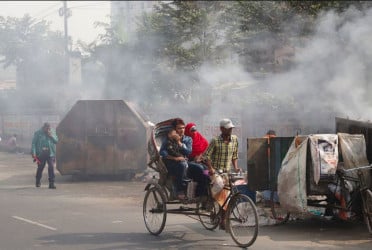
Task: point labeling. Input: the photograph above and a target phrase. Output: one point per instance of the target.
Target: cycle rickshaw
(319, 174)
(241, 214)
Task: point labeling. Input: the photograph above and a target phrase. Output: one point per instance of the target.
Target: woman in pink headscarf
(199, 143)
(196, 170)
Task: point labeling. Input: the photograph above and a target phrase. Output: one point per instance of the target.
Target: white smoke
(330, 77)
(332, 70)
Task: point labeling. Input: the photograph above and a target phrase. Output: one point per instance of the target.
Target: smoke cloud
(329, 77)
(332, 69)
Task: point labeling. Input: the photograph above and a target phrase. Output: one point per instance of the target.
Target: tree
(38, 54)
(126, 67)
(313, 8)
(180, 36)
(147, 68)
(36, 51)
(187, 32)
(256, 29)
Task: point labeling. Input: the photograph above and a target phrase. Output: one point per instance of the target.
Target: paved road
(107, 215)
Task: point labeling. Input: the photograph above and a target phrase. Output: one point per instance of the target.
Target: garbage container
(102, 137)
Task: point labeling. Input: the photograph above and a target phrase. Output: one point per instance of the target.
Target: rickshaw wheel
(208, 213)
(167, 193)
(154, 210)
(367, 210)
(280, 215)
(242, 220)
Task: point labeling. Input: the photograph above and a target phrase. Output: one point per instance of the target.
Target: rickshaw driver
(175, 165)
(220, 154)
(223, 149)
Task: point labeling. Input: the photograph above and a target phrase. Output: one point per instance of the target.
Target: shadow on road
(173, 240)
(320, 230)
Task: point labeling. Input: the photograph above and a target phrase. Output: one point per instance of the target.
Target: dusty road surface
(107, 215)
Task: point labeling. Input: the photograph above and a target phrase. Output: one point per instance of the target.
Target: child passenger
(174, 149)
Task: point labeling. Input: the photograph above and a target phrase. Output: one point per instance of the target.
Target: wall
(24, 125)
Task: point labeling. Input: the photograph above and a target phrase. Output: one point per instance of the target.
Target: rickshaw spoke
(367, 211)
(154, 210)
(242, 220)
(208, 213)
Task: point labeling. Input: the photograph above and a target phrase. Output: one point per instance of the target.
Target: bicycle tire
(242, 220)
(154, 210)
(280, 215)
(367, 209)
(166, 192)
(208, 213)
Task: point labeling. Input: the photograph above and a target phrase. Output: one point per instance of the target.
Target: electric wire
(42, 12)
(52, 10)
(56, 7)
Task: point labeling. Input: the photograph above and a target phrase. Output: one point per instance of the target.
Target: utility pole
(65, 12)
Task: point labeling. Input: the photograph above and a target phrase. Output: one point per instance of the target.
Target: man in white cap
(220, 154)
(223, 149)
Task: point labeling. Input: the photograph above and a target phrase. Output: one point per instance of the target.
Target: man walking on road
(43, 150)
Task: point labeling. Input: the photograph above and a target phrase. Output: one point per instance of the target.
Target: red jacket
(199, 143)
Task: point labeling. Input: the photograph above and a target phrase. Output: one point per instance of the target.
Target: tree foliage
(313, 8)
(186, 32)
(36, 51)
(38, 55)
(178, 37)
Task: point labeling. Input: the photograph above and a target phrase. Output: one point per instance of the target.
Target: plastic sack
(217, 184)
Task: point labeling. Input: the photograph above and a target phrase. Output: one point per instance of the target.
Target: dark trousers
(40, 168)
(195, 171)
(178, 170)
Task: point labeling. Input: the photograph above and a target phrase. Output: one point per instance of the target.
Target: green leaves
(188, 32)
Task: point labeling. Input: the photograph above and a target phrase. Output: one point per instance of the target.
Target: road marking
(34, 222)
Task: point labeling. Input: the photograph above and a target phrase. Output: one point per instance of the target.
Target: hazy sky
(80, 24)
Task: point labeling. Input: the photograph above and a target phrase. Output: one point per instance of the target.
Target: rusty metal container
(102, 137)
(263, 168)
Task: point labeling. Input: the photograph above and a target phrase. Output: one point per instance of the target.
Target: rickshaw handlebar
(341, 170)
